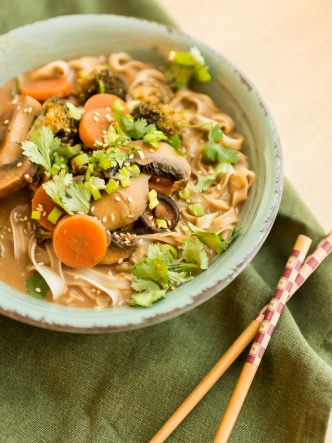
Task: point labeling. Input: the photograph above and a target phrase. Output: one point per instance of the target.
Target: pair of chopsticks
(295, 273)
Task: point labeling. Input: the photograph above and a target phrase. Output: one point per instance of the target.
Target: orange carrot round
(92, 126)
(104, 101)
(42, 202)
(80, 241)
(45, 88)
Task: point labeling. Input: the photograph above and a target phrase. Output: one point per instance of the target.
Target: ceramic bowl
(78, 35)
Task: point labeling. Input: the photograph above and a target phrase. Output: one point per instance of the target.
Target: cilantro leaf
(40, 147)
(212, 239)
(215, 152)
(148, 292)
(154, 136)
(73, 197)
(186, 66)
(194, 252)
(111, 158)
(205, 181)
(36, 285)
(152, 269)
(139, 129)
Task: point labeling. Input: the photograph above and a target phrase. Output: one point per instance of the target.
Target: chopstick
(271, 317)
(323, 249)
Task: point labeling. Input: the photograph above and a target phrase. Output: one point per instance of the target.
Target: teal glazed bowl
(78, 35)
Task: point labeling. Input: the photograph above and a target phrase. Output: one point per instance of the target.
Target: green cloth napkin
(57, 387)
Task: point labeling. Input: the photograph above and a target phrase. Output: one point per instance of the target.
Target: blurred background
(284, 47)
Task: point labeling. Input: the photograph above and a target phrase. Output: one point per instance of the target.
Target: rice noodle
(56, 281)
(17, 227)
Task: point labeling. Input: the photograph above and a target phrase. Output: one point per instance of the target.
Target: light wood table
(285, 48)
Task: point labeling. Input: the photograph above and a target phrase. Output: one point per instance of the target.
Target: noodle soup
(118, 182)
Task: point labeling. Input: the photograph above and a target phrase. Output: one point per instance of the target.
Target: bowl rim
(53, 321)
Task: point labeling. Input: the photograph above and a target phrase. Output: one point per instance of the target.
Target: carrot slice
(103, 101)
(92, 126)
(80, 241)
(41, 201)
(45, 88)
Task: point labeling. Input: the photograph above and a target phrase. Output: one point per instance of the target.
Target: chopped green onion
(89, 171)
(153, 199)
(196, 210)
(81, 159)
(36, 215)
(124, 177)
(74, 112)
(161, 223)
(55, 169)
(112, 186)
(184, 193)
(101, 85)
(54, 215)
(69, 151)
(134, 170)
(117, 106)
(95, 193)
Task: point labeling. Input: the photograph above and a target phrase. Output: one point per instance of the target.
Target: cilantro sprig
(164, 268)
(72, 196)
(212, 239)
(214, 151)
(186, 66)
(205, 181)
(139, 129)
(41, 147)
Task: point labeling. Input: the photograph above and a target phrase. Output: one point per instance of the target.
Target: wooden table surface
(285, 48)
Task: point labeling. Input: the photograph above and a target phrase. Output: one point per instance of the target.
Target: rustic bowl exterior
(78, 35)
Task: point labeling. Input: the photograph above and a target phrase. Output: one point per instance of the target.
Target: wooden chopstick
(323, 249)
(263, 337)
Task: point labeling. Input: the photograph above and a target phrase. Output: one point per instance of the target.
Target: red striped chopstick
(271, 317)
(323, 249)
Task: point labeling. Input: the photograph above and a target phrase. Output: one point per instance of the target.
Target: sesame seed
(108, 108)
(29, 110)
(95, 118)
(6, 122)
(140, 241)
(38, 290)
(188, 200)
(108, 117)
(117, 198)
(218, 187)
(130, 199)
(26, 176)
(44, 214)
(141, 154)
(19, 164)
(104, 219)
(25, 110)
(18, 107)
(150, 217)
(25, 218)
(93, 208)
(130, 216)
(151, 150)
(169, 222)
(97, 114)
(157, 179)
(131, 156)
(120, 261)
(41, 263)
(112, 217)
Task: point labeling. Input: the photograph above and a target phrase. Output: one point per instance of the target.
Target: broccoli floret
(100, 80)
(59, 115)
(163, 116)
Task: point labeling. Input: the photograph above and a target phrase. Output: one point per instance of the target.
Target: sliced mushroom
(124, 206)
(16, 170)
(166, 210)
(114, 254)
(123, 245)
(163, 162)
